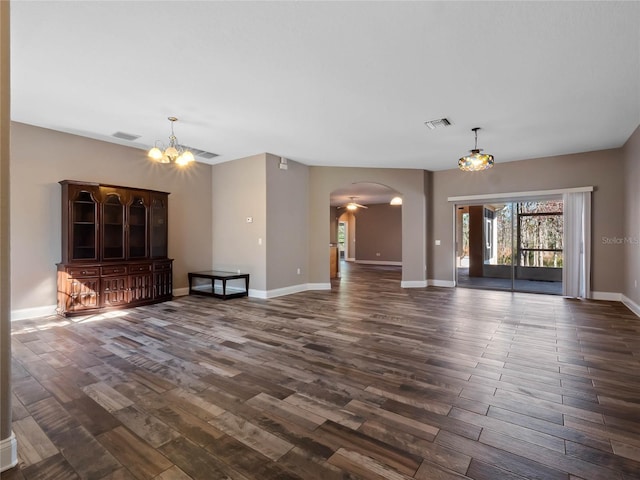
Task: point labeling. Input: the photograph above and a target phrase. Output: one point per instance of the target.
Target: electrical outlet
(298, 272)
(377, 254)
(437, 242)
(260, 241)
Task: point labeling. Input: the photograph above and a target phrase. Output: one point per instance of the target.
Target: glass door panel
(485, 257)
(84, 217)
(498, 239)
(137, 217)
(513, 246)
(113, 227)
(159, 226)
(539, 244)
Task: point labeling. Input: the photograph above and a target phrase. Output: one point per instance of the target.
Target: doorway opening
(343, 244)
(367, 208)
(515, 246)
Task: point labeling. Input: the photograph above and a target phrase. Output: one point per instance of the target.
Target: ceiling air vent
(201, 153)
(126, 136)
(196, 151)
(439, 123)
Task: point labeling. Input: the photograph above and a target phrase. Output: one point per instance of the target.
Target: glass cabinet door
(84, 218)
(112, 227)
(138, 208)
(159, 214)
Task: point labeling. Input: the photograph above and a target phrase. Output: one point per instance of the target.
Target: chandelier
(476, 161)
(174, 153)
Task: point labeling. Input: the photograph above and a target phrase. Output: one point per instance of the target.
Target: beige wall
(379, 233)
(428, 188)
(334, 215)
(6, 454)
(602, 169)
(274, 245)
(631, 156)
(40, 158)
(209, 206)
(239, 190)
(287, 223)
(409, 183)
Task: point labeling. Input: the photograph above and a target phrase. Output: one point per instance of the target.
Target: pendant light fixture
(476, 161)
(174, 153)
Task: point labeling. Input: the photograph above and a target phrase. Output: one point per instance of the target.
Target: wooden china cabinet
(114, 248)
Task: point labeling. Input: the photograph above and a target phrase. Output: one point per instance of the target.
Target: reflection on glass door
(513, 246)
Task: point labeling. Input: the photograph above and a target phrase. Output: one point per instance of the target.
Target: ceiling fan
(352, 205)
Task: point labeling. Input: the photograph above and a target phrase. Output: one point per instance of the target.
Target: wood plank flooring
(367, 381)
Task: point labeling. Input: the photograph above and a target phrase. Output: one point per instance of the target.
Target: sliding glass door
(515, 246)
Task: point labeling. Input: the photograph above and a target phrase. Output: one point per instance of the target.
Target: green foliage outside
(541, 225)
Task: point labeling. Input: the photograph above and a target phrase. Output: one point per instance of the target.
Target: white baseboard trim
(180, 292)
(631, 305)
(608, 296)
(379, 262)
(441, 283)
(35, 312)
(351, 259)
(413, 283)
(8, 453)
(277, 292)
(280, 292)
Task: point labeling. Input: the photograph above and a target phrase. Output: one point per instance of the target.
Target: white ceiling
(333, 83)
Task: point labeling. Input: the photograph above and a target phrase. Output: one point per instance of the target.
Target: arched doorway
(371, 213)
(410, 183)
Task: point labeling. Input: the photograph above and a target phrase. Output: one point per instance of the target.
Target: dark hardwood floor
(366, 381)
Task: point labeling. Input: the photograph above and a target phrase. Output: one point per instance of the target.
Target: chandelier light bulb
(182, 161)
(172, 152)
(155, 154)
(188, 157)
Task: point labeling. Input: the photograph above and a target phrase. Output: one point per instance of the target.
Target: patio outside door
(515, 246)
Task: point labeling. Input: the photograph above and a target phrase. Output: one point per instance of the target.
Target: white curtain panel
(576, 271)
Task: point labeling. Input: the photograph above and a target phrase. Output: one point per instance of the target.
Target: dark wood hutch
(114, 248)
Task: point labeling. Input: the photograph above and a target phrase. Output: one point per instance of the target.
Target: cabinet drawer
(140, 268)
(114, 270)
(164, 266)
(84, 271)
